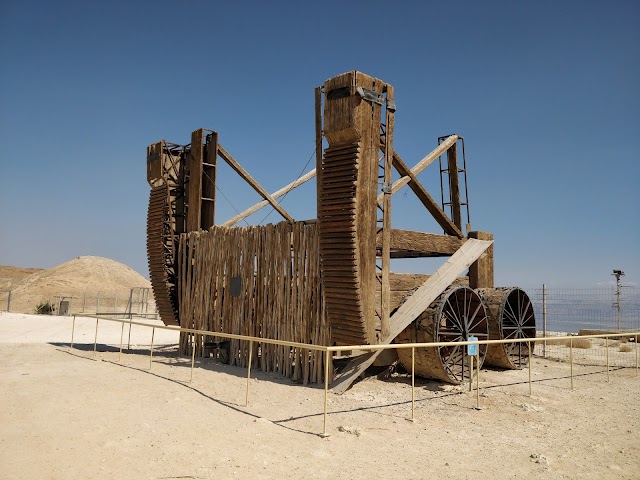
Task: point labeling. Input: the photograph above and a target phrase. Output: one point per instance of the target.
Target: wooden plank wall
(280, 296)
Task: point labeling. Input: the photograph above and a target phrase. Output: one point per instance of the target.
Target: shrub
(44, 308)
(625, 347)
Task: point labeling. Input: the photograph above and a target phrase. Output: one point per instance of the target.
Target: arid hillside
(82, 279)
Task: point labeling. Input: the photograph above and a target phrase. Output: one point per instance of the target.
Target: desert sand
(69, 414)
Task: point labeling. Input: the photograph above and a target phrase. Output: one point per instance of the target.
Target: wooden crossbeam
(251, 181)
(286, 189)
(422, 243)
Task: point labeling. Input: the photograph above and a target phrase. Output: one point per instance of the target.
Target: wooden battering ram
(328, 281)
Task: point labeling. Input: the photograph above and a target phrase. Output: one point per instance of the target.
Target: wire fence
(136, 300)
(585, 311)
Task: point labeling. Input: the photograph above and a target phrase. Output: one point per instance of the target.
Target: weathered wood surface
(401, 285)
(481, 272)
(252, 182)
(454, 186)
(385, 293)
(195, 180)
(421, 242)
(415, 305)
(347, 207)
(209, 175)
(280, 296)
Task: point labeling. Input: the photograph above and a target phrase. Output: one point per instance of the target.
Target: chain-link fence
(137, 301)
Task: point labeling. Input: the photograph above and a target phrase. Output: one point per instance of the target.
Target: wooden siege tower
(328, 280)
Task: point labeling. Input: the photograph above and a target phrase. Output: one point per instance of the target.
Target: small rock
(352, 430)
(527, 407)
(539, 458)
(261, 420)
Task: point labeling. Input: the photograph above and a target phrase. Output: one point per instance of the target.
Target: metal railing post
(153, 332)
(606, 339)
(326, 390)
(121, 336)
(9, 302)
(193, 355)
(470, 372)
(544, 320)
(571, 359)
(478, 378)
(529, 354)
(73, 330)
(636, 355)
(95, 340)
(246, 398)
(413, 383)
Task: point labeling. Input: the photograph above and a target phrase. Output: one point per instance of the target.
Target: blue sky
(545, 93)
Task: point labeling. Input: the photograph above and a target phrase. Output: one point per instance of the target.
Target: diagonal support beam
(251, 181)
(414, 306)
(427, 200)
(286, 189)
(424, 163)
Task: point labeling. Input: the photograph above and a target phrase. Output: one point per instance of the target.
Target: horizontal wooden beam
(251, 181)
(423, 243)
(274, 195)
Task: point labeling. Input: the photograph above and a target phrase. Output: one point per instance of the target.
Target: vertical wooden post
(454, 185)
(318, 103)
(209, 173)
(9, 302)
(386, 216)
(481, 271)
(195, 180)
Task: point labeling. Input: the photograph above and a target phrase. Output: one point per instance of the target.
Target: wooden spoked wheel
(454, 316)
(511, 316)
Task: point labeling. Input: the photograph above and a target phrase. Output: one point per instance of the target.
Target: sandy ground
(67, 414)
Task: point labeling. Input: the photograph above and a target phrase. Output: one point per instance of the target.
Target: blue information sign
(472, 349)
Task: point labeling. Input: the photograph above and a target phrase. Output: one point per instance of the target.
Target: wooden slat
(251, 181)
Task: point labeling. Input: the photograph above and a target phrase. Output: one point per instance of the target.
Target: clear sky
(546, 94)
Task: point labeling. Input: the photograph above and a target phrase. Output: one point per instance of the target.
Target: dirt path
(65, 415)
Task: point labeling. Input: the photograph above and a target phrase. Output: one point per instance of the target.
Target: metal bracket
(391, 105)
(386, 187)
(370, 95)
